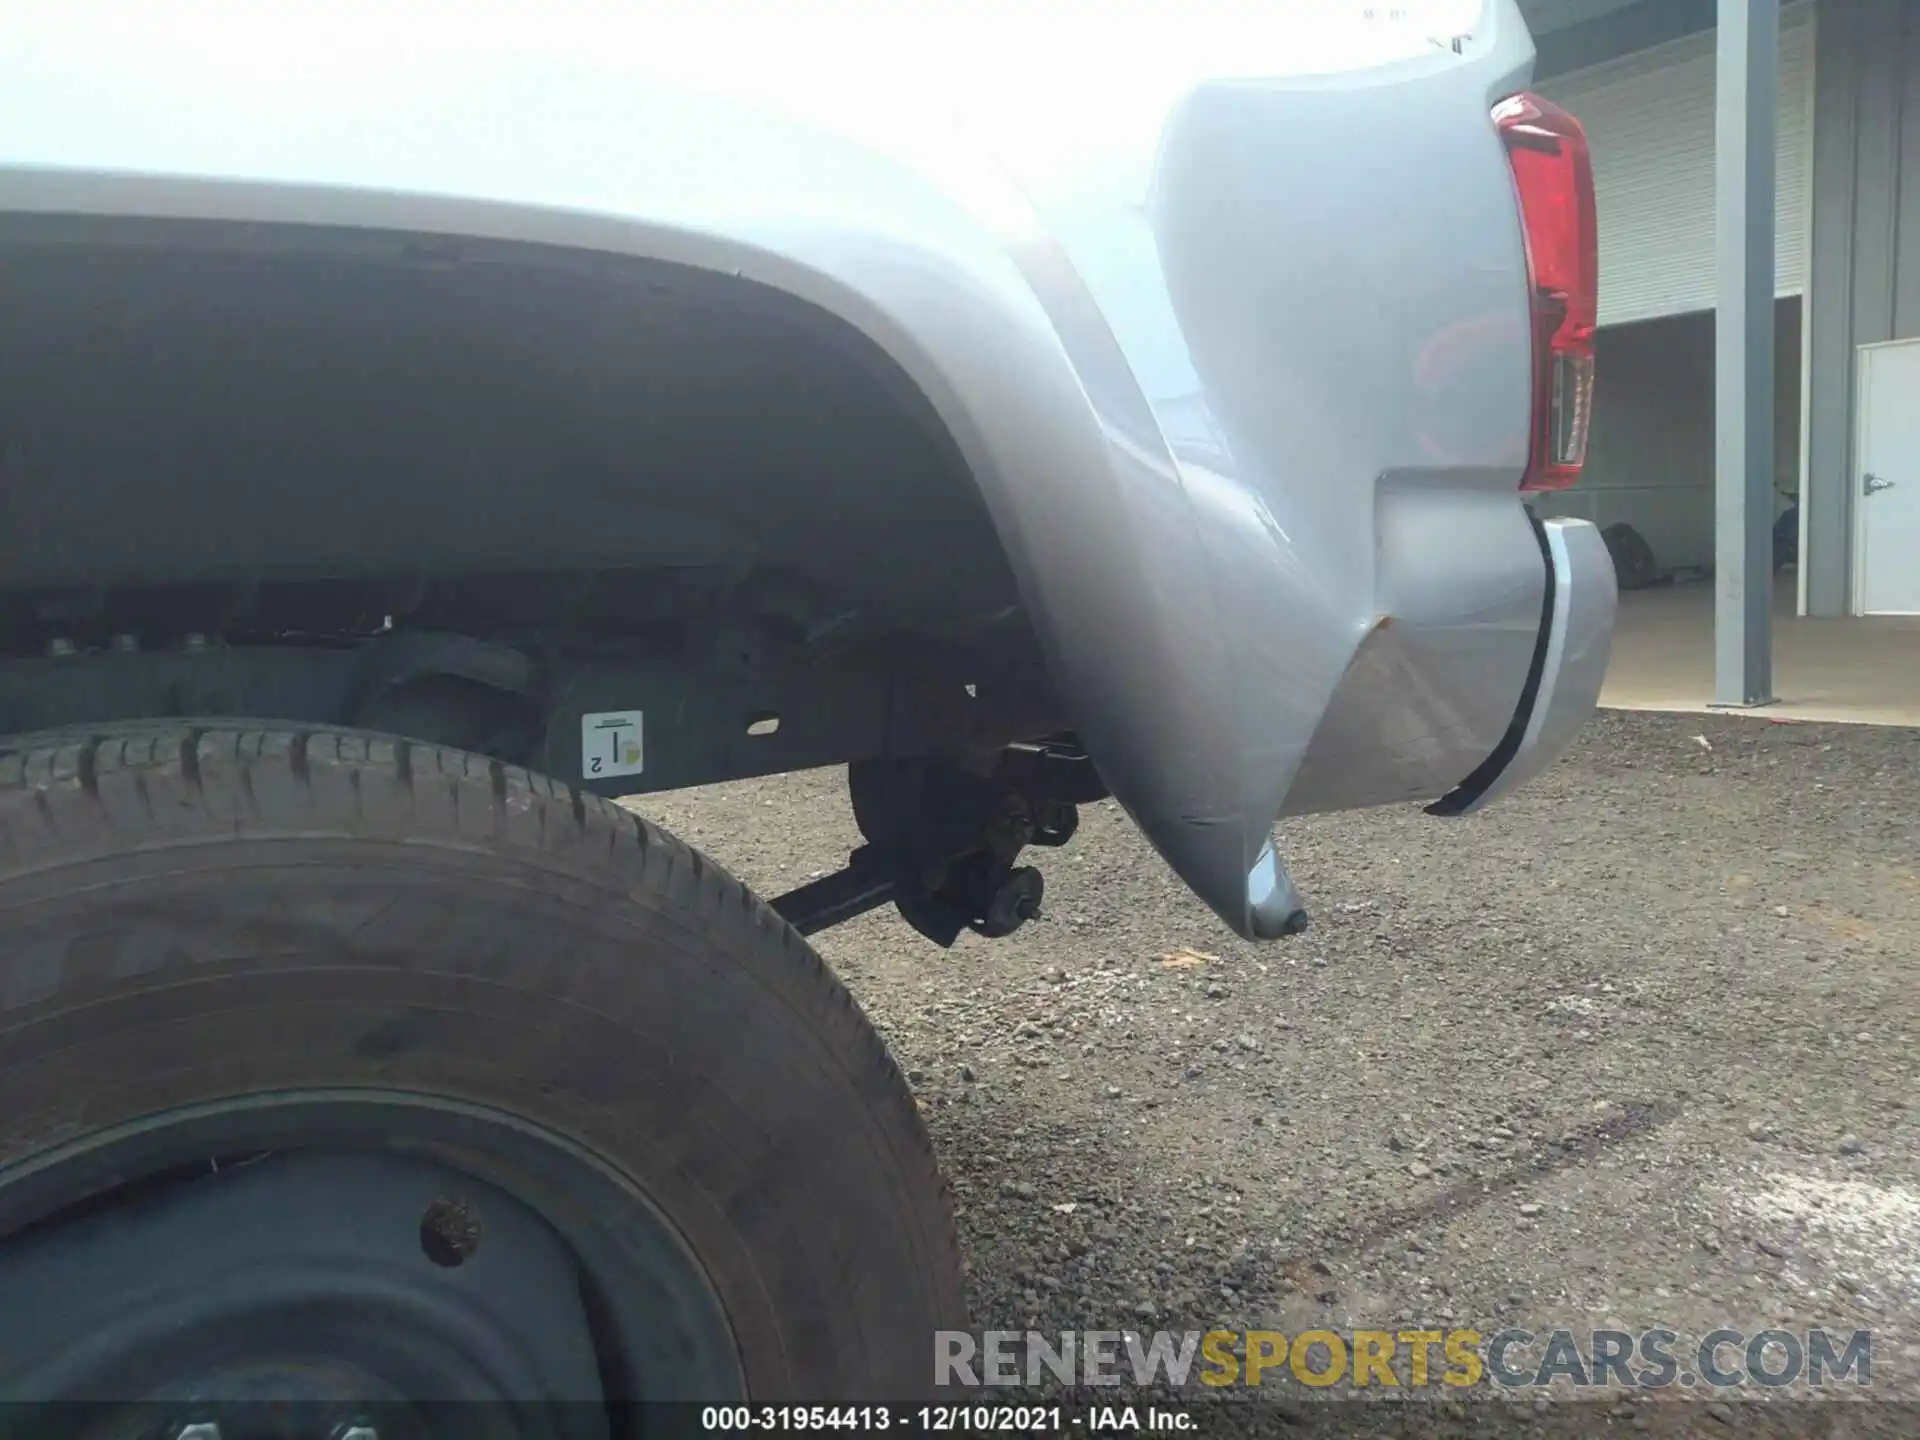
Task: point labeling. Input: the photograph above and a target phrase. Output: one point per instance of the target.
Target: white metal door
(1649, 118)
(1887, 480)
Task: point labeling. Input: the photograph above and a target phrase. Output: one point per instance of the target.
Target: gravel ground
(1637, 1049)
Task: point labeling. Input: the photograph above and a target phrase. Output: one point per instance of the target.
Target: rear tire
(195, 914)
(1634, 565)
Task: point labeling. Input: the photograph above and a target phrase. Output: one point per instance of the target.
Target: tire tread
(72, 797)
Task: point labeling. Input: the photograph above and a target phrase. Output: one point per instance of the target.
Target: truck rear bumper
(1569, 666)
(1398, 719)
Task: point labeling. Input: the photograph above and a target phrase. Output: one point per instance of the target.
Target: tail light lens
(1553, 177)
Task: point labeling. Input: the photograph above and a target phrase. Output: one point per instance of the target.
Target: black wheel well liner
(200, 408)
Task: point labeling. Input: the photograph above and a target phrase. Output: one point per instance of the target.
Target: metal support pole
(1743, 490)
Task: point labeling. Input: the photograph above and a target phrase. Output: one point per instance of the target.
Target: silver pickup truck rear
(422, 425)
(1231, 324)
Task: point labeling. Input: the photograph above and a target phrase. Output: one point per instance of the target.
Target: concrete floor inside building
(1861, 669)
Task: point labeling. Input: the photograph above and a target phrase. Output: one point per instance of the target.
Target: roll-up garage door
(1649, 119)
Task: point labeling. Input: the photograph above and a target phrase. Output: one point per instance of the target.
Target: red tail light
(1553, 175)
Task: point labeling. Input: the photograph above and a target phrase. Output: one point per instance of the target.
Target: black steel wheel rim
(659, 1331)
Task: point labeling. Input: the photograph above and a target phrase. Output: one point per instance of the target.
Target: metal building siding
(1649, 119)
